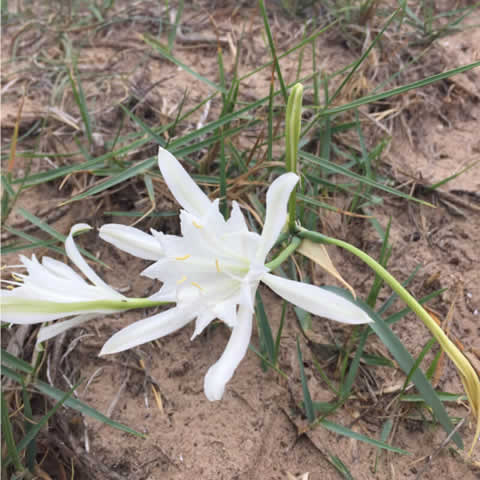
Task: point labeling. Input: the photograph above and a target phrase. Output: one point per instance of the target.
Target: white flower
(51, 290)
(213, 271)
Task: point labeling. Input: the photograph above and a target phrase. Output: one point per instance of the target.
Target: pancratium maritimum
(213, 270)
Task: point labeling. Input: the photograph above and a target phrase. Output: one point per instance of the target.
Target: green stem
(20, 305)
(467, 374)
(284, 254)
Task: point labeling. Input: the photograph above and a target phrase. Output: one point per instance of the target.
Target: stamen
(217, 265)
(195, 284)
(181, 280)
(195, 224)
(16, 277)
(183, 258)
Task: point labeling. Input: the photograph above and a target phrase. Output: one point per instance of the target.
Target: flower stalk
(293, 121)
(284, 254)
(467, 374)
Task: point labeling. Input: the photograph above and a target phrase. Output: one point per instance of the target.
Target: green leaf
(406, 363)
(9, 361)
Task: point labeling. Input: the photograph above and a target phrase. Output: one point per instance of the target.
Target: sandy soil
(258, 431)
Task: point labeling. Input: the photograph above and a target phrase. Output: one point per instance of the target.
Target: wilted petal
(187, 193)
(317, 300)
(148, 329)
(221, 372)
(276, 216)
(57, 328)
(132, 240)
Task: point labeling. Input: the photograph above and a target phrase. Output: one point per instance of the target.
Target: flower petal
(187, 193)
(57, 328)
(276, 216)
(236, 222)
(148, 329)
(81, 264)
(201, 323)
(317, 300)
(222, 371)
(132, 240)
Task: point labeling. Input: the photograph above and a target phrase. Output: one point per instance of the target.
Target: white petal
(60, 269)
(276, 216)
(187, 193)
(57, 328)
(80, 262)
(222, 371)
(147, 330)
(226, 312)
(236, 222)
(201, 323)
(317, 300)
(132, 240)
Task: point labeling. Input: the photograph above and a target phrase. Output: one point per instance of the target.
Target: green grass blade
(273, 50)
(347, 385)
(159, 48)
(341, 468)
(82, 106)
(406, 363)
(307, 399)
(34, 242)
(35, 429)
(341, 430)
(364, 55)
(264, 329)
(31, 449)
(154, 136)
(333, 168)
(396, 91)
(7, 435)
(9, 361)
(53, 233)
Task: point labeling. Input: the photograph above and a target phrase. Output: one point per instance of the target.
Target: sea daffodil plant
(213, 270)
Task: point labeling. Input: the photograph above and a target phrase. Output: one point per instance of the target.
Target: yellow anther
(183, 258)
(195, 284)
(10, 287)
(195, 224)
(217, 265)
(181, 280)
(16, 277)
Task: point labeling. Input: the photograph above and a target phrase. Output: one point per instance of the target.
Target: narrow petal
(276, 216)
(61, 270)
(147, 330)
(221, 372)
(317, 300)
(187, 193)
(79, 261)
(57, 328)
(236, 222)
(201, 323)
(132, 240)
